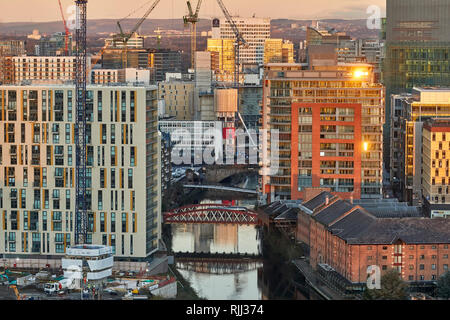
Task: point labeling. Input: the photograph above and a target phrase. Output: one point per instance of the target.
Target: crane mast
(240, 41)
(80, 125)
(192, 18)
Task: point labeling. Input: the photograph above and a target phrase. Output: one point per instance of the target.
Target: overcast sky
(48, 10)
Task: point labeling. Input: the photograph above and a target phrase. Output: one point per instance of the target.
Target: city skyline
(48, 10)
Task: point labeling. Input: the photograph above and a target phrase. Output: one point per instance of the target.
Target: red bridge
(211, 213)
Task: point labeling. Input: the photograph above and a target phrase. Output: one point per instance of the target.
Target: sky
(48, 10)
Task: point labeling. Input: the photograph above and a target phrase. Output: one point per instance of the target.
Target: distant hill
(355, 28)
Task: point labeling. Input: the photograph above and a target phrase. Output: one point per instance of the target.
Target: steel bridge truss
(218, 267)
(211, 213)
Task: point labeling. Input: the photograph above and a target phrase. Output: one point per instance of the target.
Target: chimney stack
(327, 200)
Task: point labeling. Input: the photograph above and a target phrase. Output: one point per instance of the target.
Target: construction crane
(80, 125)
(123, 37)
(192, 18)
(240, 41)
(66, 38)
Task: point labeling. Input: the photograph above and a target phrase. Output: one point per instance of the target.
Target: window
(433, 267)
(385, 248)
(124, 222)
(113, 222)
(384, 257)
(422, 257)
(421, 267)
(422, 277)
(100, 200)
(384, 267)
(369, 257)
(445, 256)
(130, 178)
(410, 278)
(411, 257)
(411, 267)
(102, 222)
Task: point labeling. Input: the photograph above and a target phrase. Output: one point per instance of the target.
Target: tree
(392, 288)
(443, 286)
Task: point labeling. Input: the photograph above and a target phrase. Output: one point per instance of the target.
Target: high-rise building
(178, 97)
(54, 45)
(37, 170)
(417, 49)
(436, 167)
(255, 32)
(164, 61)
(329, 120)
(278, 51)
(223, 52)
(421, 105)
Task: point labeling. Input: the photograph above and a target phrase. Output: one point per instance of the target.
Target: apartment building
(349, 239)
(37, 175)
(178, 97)
(436, 167)
(423, 104)
(44, 68)
(329, 120)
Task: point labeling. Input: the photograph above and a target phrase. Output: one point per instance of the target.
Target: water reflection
(215, 238)
(219, 238)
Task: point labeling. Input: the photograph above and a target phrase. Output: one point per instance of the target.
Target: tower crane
(66, 38)
(240, 41)
(81, 216)
(123, 37)
(192, 18)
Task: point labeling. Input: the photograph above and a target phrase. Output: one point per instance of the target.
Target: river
(219, 238)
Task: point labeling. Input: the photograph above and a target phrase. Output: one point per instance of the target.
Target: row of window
(118, 106)
(30, 222)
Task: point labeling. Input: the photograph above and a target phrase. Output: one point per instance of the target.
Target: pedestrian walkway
(315, 282)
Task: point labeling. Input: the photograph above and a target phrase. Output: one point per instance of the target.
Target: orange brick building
(329, 122)
(335, 146)
(349, 239)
